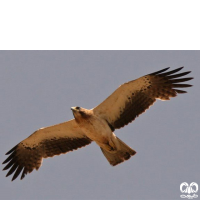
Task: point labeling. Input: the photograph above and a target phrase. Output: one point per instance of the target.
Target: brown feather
(31, 158)
(44, 143)
(135, 97)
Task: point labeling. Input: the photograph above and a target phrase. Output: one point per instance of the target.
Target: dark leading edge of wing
(158, 85)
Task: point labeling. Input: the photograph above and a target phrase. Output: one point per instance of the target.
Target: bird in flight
(98, 124)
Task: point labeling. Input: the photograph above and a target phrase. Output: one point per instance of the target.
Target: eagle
(98, 124)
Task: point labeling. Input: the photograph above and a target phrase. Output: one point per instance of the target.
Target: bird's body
(93, 126)
(96, 129)
(98, 124)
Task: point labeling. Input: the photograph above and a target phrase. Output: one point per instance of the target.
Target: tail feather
(123, 153)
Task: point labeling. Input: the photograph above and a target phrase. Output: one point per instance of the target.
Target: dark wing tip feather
(13, 168)
(181, 80)
(181, 85)
(23, 174)
(180, 91)
(13, 149)
(17, 172)
(160, 71)
(179, 75)
(9, 158)
(171, 72)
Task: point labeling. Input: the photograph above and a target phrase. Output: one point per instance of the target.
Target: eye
(77, 108)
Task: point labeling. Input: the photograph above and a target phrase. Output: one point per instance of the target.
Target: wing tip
(160, 71)
(11, 150)
(180, 91)
(4, 162)
(14, 177)
(181, 85)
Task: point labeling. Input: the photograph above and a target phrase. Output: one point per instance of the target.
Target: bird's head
(75, 109)
(80, 113)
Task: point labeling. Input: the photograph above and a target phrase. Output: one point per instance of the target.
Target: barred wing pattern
(133, 98)
(46, 142)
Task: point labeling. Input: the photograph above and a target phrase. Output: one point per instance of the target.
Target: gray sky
(39, 87)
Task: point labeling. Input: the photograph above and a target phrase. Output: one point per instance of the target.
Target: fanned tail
(119, 156)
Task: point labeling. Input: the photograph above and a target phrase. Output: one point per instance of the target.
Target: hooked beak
(73, 109)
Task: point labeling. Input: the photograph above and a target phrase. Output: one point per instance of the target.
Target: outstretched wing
(44, 143)
(133, 98)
